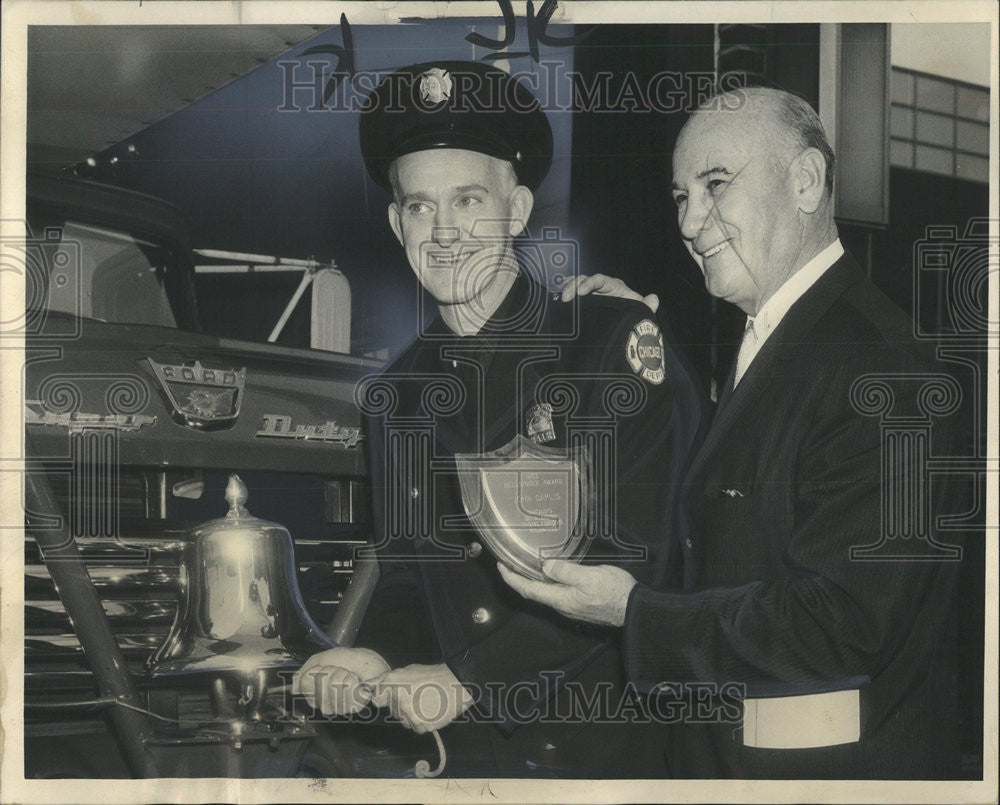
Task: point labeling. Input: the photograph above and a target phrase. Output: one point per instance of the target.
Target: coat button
(414, 493)
(480, 615)
(474, 549)
(689, 542)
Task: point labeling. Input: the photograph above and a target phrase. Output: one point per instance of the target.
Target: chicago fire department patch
(644, 352)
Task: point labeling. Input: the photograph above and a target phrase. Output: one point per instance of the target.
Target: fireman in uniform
(516, 689)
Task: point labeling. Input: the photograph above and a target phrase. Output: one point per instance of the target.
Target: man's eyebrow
(716, 169)
(468, 188)
(408, 197)
(707, 172)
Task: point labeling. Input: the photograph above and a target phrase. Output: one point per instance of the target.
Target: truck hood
(297, 409)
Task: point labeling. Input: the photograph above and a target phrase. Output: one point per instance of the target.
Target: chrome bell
(241, 609)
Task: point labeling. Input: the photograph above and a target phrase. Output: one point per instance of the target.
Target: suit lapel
(781, 346)
(727, 390)
(735, 401)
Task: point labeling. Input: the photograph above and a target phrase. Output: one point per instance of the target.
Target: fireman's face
(456, 213)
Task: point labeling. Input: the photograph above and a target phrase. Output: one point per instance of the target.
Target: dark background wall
(621, 198)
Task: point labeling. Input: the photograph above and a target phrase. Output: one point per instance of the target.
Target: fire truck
(160, 631)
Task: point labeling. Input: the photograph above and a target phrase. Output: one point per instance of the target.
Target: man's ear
(521, 202)
(809, 172)
(395, 223)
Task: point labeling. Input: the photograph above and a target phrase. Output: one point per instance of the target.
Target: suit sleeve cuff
(628, 632)
(647, 638)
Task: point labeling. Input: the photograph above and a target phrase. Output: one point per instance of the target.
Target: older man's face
(736, 206)
(455, 217)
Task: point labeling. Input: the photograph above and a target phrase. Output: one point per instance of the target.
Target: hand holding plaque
(529, 502)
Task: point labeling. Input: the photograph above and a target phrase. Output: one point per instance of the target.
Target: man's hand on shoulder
(603, 285)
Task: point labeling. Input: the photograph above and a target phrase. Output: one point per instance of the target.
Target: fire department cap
(455, 104)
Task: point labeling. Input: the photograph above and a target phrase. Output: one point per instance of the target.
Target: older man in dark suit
(833, 636)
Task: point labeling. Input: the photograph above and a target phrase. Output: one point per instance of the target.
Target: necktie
(748, 349)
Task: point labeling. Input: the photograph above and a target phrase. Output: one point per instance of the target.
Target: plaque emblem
(206, 399)
(529, 502)
(540, 428)
(644, 352)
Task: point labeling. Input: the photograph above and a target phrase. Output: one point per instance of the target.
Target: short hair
(796, 119)
(508, 176)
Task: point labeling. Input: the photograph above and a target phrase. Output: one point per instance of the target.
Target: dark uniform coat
(790, 586)
(441, 598)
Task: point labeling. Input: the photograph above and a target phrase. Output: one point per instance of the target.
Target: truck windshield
(109, 275)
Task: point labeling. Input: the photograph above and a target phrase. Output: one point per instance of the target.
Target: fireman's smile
(451, 257)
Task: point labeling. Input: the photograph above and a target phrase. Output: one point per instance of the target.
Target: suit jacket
(440, 597)
(791, 586)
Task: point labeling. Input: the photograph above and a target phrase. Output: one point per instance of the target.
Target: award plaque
(529, 502)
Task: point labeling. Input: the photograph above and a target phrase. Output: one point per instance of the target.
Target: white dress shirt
(760, 327)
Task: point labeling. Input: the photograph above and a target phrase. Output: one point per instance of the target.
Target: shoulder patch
(644, 351)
